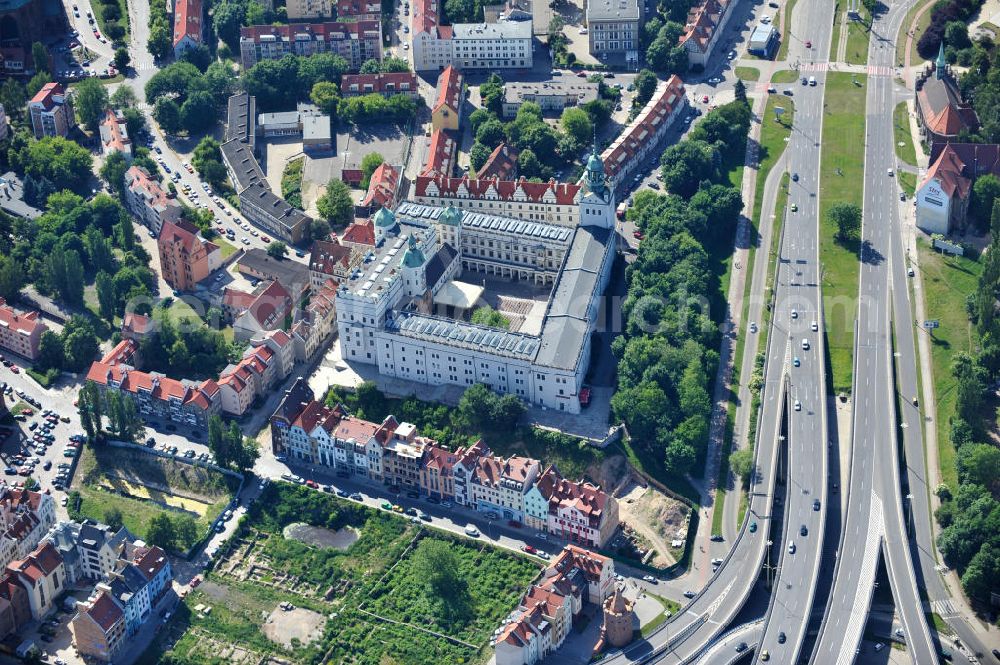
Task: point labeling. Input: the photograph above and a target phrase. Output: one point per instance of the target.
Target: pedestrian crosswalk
(815, 67)
(880, 70)
(943, 607)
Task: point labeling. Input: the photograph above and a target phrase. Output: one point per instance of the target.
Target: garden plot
(287, 626)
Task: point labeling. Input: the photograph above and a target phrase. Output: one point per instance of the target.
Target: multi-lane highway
(873, 508)
(797, 323)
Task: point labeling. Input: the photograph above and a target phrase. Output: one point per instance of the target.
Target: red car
(529, 549)
(704, 99)
(584, 396)
(27, 412)
(313, 484)
(195, 581)
(14, 369)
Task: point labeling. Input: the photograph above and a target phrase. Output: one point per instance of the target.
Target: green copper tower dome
(451, 216)
(384, 218)
(412, 257)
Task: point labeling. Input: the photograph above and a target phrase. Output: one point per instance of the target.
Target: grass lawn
(227, 248)
(857, 38)
(835, 37)
(670, 608)
(291, 182)
(908, 181)
(20, 407)
(841, 180)
(922, 24)
(947, 280)
(748, 73)
(44, 379)
(901, 131)
(182, 311)
(773, 135)
(787, 9)
(785, 76)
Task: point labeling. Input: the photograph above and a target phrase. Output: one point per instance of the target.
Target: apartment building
(614, 27)
(114, 134)
(185, 257)
(387, 84)
(644, 135)
(20, 332)
(316, 324)
(577, 511)
(552, 96)
(705, 25)
(148, 201)
(188, 25)
(43, 577)
(15, 610)
(51, 111)
(98, 627)
(441, 154)
(499, 486)
(330, 260)
(355, 41)
(500, 165)
(447, 110)
(496, 45)
(299, 10)
(545, 615)
(25, 518)
(382, 187)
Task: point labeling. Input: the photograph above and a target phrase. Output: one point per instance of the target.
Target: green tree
(645, 85)
(487, 316)
(277, 250)
(113, 171)
(122, 59)
(106, 297)
(369, 163)
(159, 43)
(528, 164)
(741, 463)
(435, 564)
(847, 218)
(227, 18)
(685, 165)
(491, 93)
(90, 99)
(197, 113)
(167, 114)
(186, 531)
(58, 160)
(218, 442)
(491, 133)
(326, 96)
(37, 82)
(478, 156)
(577, 124)
(320, 229)
(40, 58)
(79, 343)
(50, 351)
(984, 192)
(114, 518)
(741, 90)
(13, 96)
(336, 205)
(12, 278)
(161, 532)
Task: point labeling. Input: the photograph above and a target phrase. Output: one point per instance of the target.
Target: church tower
(597, 204)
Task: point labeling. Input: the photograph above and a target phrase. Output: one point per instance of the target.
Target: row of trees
(277, 83)
(980, 84)
(187, 347)
(50, 162)
(185, 97)
(376, 108)
(970, 537)
(667, 353)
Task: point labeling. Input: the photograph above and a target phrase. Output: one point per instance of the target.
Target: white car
(795, 314)
(791, 547)
(583, 31)
(715, 79)
(805, 344)
(471, 531)
(798, 405)
(406, 46)
(245, 240)
(814, 326)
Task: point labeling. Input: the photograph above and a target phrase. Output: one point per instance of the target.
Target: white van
(812, 81)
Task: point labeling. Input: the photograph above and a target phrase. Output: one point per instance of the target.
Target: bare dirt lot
(657, 518)
(299, 624)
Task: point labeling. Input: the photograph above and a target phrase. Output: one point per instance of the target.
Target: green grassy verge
(773, 135)
(44, 379)
(858, 31)
(748, 73)
(835, 37)
(669, 609)
(787, 10)
(901, 132)
(908, 181)
(922, 25)
(940, 625)
(291, 182)
(785, 76)
(947, 280)
(903, 27)
(227, 248)
(20, 407)
(841, 181)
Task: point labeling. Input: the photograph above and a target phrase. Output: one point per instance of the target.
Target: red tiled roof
(46, 96)
(587, 499)
(187, 20)
(326, 256)
(238, 300)
(123, 353)
(138, 179)
(381, 83)
(561, 193)
(502, 163)
(382, 186)
(157, 386)
(949, 170)
(425, 16)
(666, 98)
(105, 612)
(114, 136)
(312, 414)
(702, 21)
(442, 459)
(151, 561)
(136, 323)
(26, 324)
(440, 154)
(360, 233)
(355, 428)
(449, 89)
(181, 232)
